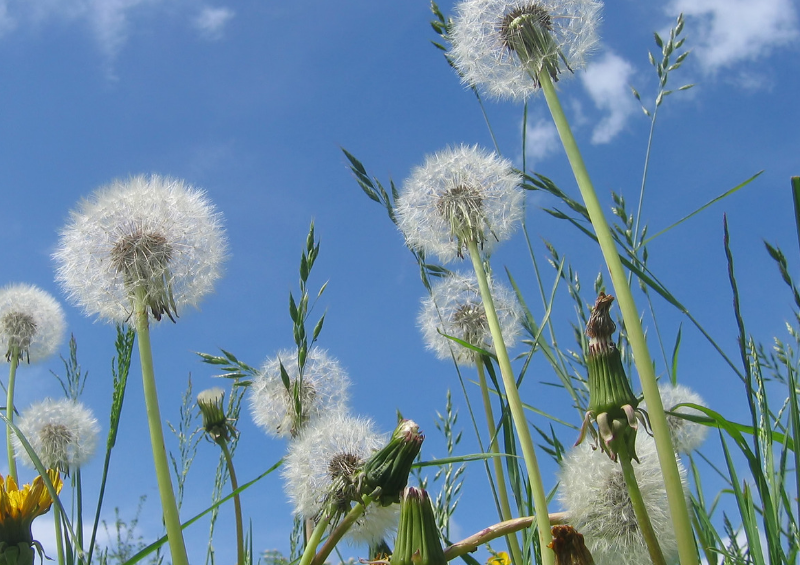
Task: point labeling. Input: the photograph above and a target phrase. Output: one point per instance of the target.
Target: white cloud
(607, 83)
(211, 21)
(732, 31)
(541, 140)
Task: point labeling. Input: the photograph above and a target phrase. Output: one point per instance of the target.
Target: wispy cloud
(211, 21)
(607, 82)
(733, 31)
(541, 140)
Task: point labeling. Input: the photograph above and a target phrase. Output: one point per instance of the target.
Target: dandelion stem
(59, 534)
(515, 405)
(337, 534)
(497, 462)
(644, 365)
(12, 377)
(168, 505)
(237, 504)
(639, 509)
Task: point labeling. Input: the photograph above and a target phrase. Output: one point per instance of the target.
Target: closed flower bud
(211, 403)
(418, 541)
(388, 468)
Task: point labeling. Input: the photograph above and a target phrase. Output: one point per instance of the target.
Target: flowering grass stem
(237, 504)
(639, 508)
(515, 405)
(12, 377)
(168, 505)
(633, 327)
(497, 462)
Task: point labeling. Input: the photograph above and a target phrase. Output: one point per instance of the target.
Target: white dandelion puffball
(593, 493)
(455, 308)
(62, 433)
(500, 45)
(686, 435)
(458, 195)
(324, 390)
(31, 321)
(148, 234)
(333, 445)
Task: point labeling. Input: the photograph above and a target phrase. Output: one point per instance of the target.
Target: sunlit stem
(59, 534)
(169, 507)
(237, 504)
(77, 485)
(337, 534)
(644, 365)
(12, 377)
(639, 509)
(515, 406)
(497, 462)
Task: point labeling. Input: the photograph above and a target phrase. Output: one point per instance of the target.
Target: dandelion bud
(569, 547)
(211, 403)
(388, 468)
(612, 404)
(417, 535)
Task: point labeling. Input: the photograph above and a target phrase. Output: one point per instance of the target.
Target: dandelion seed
(461, 194)
(320, 472)
(502, 45)
(455, 308)
(62, 433)
(593, 492)
(686, 435)
(31, 322)
(151, 235)
(324, 390)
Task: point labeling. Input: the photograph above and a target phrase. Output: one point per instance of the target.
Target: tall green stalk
(515, 406)
(12, 377)
(644, 365)
(497, 462)
(237, 504)
(169, 507)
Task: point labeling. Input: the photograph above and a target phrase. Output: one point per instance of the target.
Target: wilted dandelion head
(319, 470)
(686, 435)
(62, 433)
(322, 390)
(455, 308)
(31, 322)
(460, 194)
(149, 236)
(502, 45)
(593, 493)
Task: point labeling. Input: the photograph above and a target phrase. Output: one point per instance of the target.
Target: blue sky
(252, 101)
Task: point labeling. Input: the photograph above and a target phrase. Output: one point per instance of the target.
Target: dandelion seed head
(149, 234)
(324, 389)
(63, 434)
(327, 453)
(593, 492)
(455, 308)
(501, 45)
(686, 435)
(31, 321)
(458, 195)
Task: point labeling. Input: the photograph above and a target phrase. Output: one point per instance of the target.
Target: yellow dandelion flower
(18, 509)
(499, 558)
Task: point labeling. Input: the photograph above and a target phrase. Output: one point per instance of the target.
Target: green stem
(337, 534)
(77, 485)
(644, 365)
(497, 462)
(639, 509)
(12, 377)
(515, 406)
(169, 507)
(59, 534)
(313, 541)
(237, 504)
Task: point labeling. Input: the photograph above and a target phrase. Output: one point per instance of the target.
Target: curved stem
(515, 406)
(169, 507)
(497, 462)
(644, 365)
(12, 377)
(639, 509)
(237, 504)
